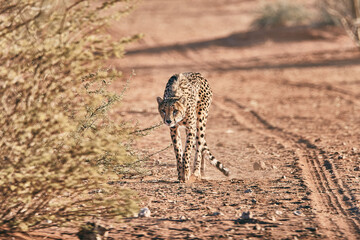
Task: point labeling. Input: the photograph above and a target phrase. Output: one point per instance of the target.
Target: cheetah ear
(159, 100)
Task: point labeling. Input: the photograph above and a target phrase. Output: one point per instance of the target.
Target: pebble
(257, 227)
(248, 191)
(278, 212)
(259, 165)
(298, 213)
(247, 215)
(217, 214)
(144, 212)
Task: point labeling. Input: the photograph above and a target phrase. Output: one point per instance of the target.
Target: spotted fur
(186, 102)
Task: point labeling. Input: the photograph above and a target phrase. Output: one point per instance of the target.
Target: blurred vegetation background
(282, 13)
(57, 141)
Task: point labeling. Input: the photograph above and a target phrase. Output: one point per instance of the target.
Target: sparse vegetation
(324, 18)
(56, 136)
(347, 12)
(279, 14)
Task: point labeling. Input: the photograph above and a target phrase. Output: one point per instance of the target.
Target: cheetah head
(172, 110)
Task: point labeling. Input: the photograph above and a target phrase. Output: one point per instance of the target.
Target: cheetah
(186, 102)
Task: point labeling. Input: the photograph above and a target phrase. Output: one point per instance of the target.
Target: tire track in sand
(331, 199)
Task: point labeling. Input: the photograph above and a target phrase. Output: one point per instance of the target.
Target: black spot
(174, 141)
(202, 135)
(201, 128)
(199, 142)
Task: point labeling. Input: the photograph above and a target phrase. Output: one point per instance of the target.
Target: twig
(138, 132)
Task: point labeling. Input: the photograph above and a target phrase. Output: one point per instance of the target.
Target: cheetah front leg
(190, 140)
(176, 139)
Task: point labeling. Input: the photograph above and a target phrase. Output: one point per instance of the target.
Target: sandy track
(330, 198)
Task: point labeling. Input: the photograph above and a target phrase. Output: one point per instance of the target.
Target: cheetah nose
(168, 121)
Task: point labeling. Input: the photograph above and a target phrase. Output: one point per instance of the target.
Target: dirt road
(285, 119)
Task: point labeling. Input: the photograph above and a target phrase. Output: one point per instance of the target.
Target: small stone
(357, 168)
(346, 198)
(283, 177)
(341, 157)
(278, 212)
(259, 165)
(246, 215)
(217, 214)
(312, 229)
(248, 191)
(253, 201)
(182, 218)
(298, 213)
(144, 212)
(257, 227)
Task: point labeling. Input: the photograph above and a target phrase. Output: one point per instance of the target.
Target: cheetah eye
(175, 112)
(163, 111)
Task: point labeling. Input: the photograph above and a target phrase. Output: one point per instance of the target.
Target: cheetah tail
(216, 163)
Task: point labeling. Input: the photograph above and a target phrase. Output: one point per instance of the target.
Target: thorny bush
(57, 142)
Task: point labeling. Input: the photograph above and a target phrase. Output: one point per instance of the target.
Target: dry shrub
(279, 14)
(347, 12)
(55, 130)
